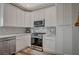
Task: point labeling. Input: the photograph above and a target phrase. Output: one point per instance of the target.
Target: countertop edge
(11, 35)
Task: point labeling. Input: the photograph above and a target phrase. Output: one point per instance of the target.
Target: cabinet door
(27, 40)
(50, 16)
(67, 14)
(5, 47)
(59, 40)
(9, 15)
(20, 43)
(37, 15)
(64, 14)
(40, 14)
(67, 42)
(32, 19)
(49, 45)
(1, 14)
(1, 47)
(12, 46)
(27, 19)
(20, 18)
(60, 14)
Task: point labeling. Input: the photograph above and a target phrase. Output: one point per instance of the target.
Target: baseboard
(59, 53)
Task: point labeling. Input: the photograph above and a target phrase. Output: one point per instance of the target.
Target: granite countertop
(11, 35)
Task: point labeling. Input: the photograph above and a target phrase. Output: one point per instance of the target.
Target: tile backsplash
(11, 30)
(51, 31)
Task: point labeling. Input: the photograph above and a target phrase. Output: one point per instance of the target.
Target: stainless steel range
(37, 41)
(37, 35)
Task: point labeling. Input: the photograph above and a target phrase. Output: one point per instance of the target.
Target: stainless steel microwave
(40, 23)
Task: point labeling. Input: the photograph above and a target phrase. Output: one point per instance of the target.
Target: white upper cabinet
(1, 14)
(64, 14)
(59, 14)
(19, 18)
(27, 19)
(9, 15)
(31, 19)
(50, 16)
(67, 14)
(13, 16)
(33, 14)
(38, 15)
(41, 15)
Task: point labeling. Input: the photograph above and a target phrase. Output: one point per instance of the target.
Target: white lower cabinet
(50, 16)
(67, 42)
(27, 40)
(49, 45)
(59, 40)
(23, 41)
(20, 43)
(64, 40)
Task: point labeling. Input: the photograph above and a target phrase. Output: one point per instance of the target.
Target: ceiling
(33, 6)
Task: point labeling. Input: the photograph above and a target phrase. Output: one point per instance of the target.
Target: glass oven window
(36, 42)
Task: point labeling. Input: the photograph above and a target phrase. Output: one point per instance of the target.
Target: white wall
(11, 30)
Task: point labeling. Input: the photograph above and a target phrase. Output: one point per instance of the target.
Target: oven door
(36, 42)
